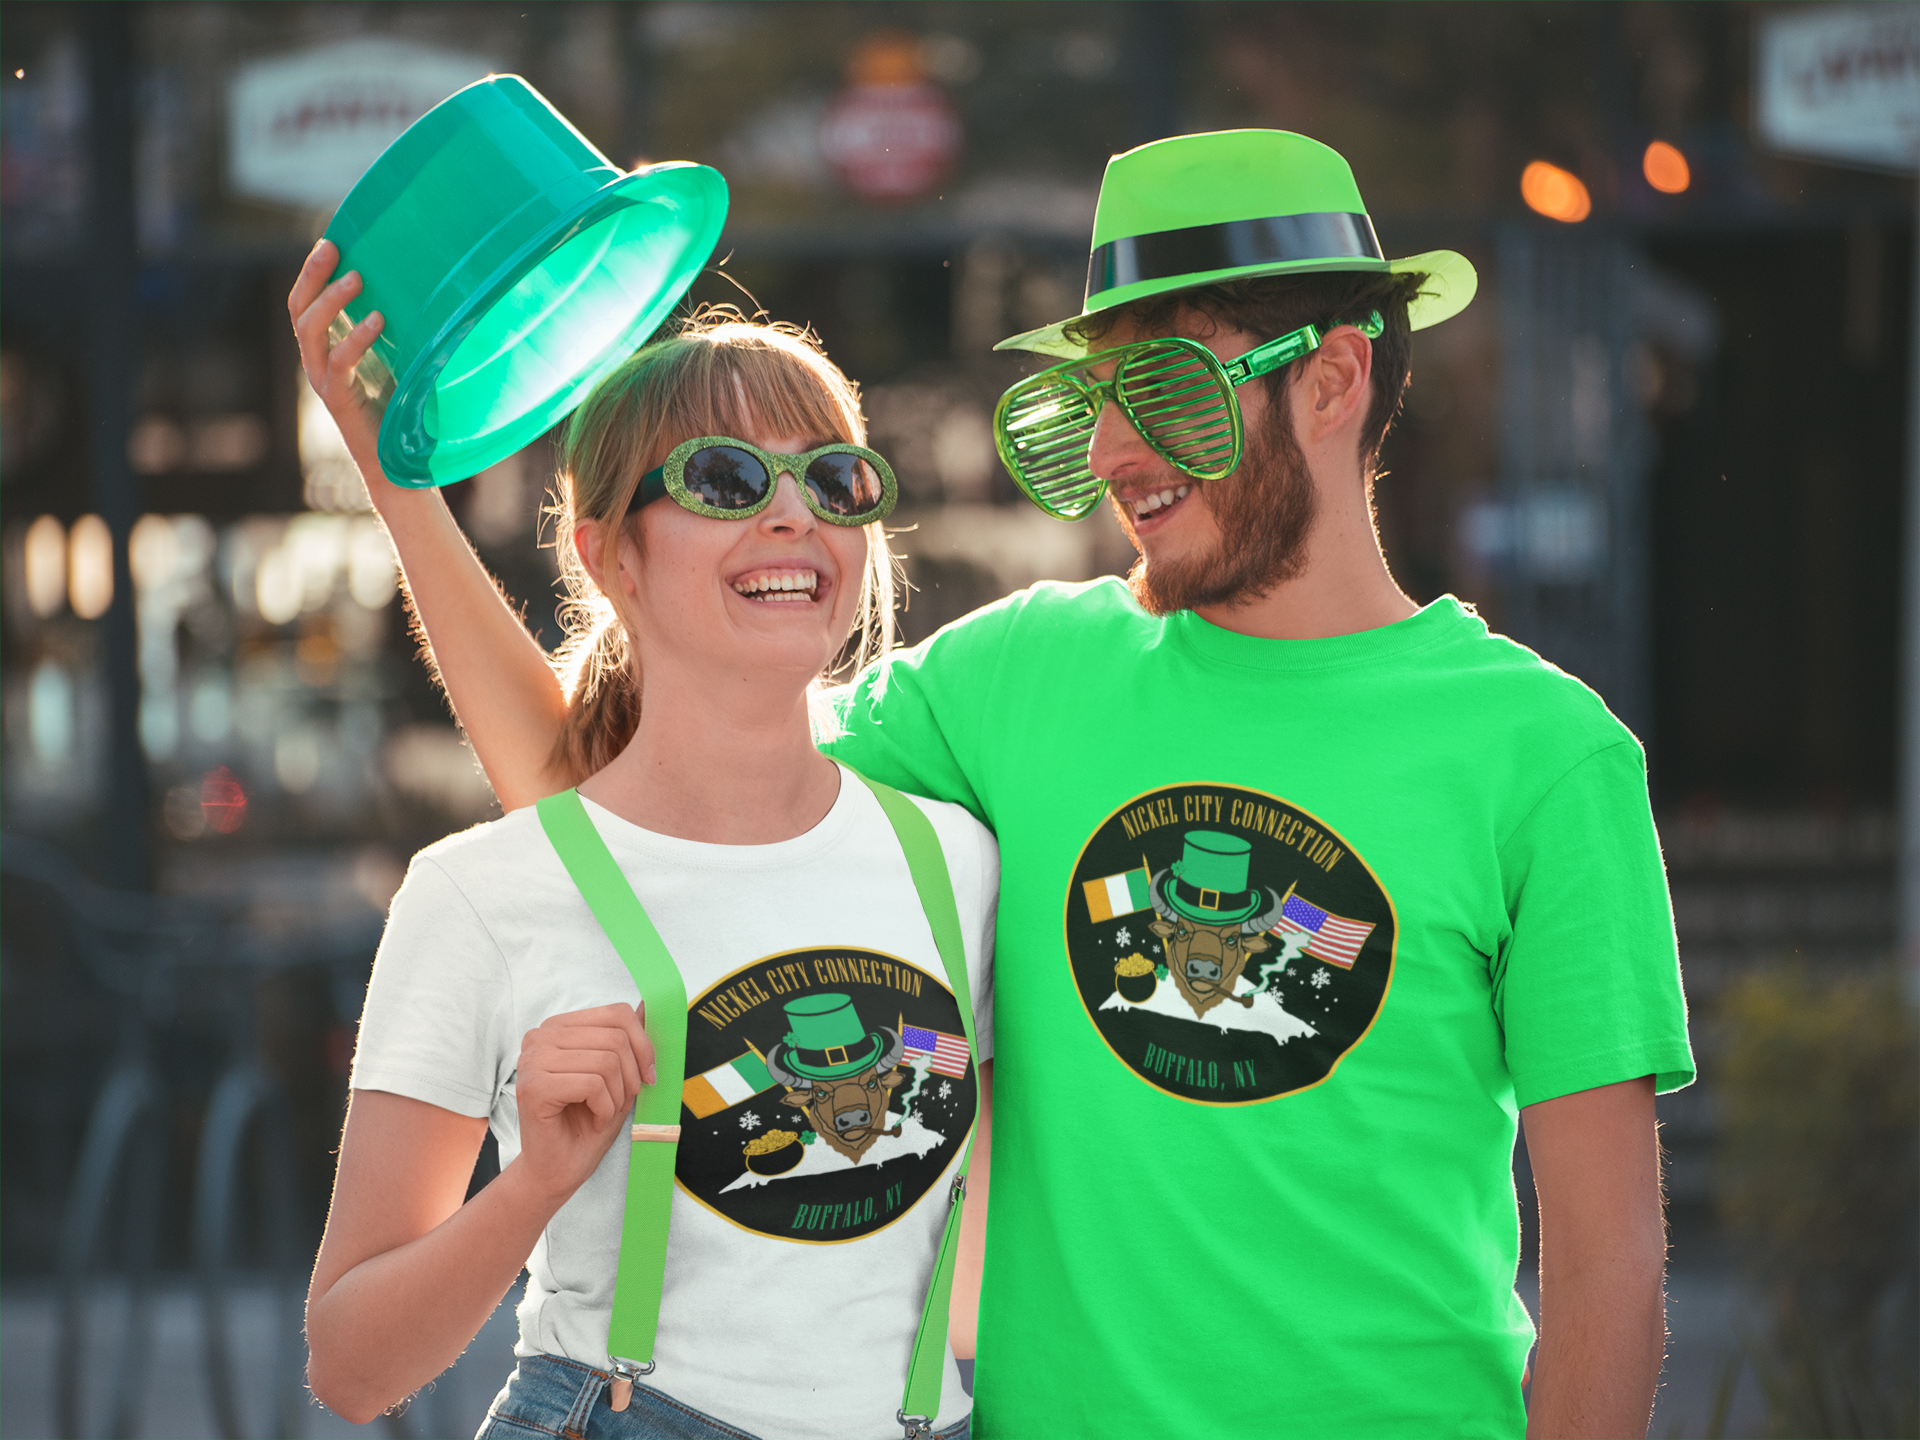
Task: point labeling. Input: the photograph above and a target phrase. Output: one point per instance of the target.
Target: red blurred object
(890, 142)
(339, 1047)
(222, 800)
(891, 134)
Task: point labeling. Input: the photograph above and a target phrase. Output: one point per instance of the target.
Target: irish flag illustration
(726, 1085)
(1117, 895)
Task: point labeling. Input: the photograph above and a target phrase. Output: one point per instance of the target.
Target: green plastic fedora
(515, 265)
(1197, 209)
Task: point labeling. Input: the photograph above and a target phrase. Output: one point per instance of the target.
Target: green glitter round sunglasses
(1176, 393)
(728, 479)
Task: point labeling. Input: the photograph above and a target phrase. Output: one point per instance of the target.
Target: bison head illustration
(839, 1074)
(1209, 919)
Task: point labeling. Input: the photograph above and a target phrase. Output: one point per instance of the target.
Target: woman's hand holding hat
(314, 304)
(463, 612)
(579, 1073)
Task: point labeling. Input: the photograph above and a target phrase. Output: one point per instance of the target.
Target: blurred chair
(105, 964)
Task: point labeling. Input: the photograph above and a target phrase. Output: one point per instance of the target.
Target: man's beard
(1264, 511)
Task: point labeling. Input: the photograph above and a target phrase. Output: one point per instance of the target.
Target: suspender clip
(624, 1373)
(918, 1427)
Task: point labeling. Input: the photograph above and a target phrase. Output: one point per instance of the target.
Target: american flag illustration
(949, 1052)
(1336, 939)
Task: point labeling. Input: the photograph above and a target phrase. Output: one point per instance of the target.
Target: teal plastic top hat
(515, 265)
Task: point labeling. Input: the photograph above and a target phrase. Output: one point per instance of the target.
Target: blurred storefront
(1668, 445)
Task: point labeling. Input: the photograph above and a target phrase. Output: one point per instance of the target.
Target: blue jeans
(548, 1397)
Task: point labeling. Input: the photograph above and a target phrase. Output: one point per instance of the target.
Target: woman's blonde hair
(718, 374)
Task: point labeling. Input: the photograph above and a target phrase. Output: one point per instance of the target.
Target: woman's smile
(782, 585)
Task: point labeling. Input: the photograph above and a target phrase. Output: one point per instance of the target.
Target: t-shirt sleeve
(913, 721)
(1587, 985)
(982, 934)
(439, 1005)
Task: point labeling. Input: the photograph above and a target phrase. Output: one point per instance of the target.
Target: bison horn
(785, 1076)
(1258, 923)
(1155, 887)
(896, 1052)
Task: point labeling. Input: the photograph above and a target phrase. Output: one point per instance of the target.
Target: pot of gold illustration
(1133, 977)
(774, 1153)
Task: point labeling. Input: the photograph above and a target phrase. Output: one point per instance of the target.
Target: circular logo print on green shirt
(1229, 947)
(826, 1091)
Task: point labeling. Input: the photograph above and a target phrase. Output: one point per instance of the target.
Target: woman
(829, 1083)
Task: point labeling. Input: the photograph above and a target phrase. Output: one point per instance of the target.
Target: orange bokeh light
(1666, 168)
(1555, 193)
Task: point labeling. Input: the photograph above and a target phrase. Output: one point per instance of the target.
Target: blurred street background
(1672, 446)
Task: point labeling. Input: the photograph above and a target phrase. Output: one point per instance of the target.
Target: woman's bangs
(766, 389)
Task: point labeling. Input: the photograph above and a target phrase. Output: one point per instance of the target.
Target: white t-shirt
(806, 1220)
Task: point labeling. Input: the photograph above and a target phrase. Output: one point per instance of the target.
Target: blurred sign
(890, 142)
(1557, 535)
(1841, 83)
(302, 128)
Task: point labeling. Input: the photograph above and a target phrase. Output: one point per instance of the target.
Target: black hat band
(1232, 902)
(836, 1055)
(1197, 249)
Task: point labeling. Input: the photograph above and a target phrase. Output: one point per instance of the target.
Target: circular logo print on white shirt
(1229, 947)
(827, 1090)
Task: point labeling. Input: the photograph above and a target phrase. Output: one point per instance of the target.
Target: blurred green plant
(1820, 1190)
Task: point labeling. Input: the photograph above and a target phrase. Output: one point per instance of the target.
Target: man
(1305, 890)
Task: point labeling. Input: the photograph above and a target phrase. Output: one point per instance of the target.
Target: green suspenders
(656, 1112)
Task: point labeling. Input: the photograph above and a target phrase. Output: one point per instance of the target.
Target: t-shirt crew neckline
(624, 837)
(1440, 620)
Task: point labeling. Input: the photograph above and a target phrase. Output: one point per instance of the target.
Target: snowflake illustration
(749, 1121)
(1125, 936)
(945, 1090)
(1320, 979)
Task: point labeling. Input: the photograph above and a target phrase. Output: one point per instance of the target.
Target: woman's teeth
(1147, 505)
(779, 587)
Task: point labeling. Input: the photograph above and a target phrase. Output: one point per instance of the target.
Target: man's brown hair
(1270, 306)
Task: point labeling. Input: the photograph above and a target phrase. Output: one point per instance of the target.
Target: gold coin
(771, 1141)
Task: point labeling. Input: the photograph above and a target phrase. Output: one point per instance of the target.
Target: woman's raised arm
(504, 694)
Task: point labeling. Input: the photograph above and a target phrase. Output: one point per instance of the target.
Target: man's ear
(1338, 391)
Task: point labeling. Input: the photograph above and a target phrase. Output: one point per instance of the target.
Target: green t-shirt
(1288, 932)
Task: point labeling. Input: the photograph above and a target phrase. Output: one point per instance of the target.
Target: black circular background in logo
(825, 1196)
(1307, 1011)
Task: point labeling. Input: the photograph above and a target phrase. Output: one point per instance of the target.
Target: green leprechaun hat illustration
(826, 1040)
(1208, 883)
